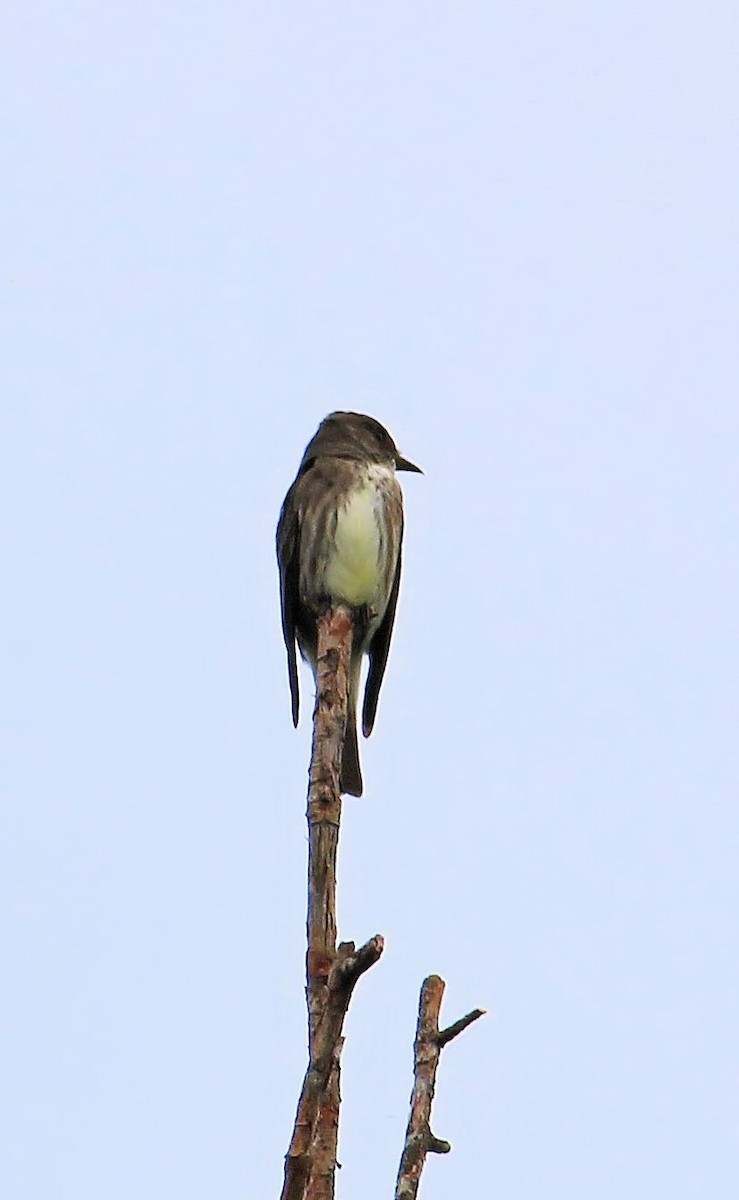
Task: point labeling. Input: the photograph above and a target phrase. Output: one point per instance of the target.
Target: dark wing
(288, 538)
(378, 651)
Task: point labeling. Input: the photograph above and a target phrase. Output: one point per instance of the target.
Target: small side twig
(429, 1042)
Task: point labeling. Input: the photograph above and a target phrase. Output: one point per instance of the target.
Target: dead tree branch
(331, 973)
(419, 1140)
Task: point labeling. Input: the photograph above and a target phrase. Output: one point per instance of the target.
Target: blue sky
(510, 233)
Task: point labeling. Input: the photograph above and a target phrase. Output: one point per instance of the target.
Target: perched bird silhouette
(339, 540)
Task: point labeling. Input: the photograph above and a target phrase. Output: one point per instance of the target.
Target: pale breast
(357, 565)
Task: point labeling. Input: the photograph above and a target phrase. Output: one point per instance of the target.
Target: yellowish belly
(353, 569)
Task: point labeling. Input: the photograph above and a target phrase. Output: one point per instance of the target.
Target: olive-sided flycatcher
(339, 541)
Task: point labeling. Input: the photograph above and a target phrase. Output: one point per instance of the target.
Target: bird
(339, 540)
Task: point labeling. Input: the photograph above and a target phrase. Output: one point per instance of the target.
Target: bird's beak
(403, 464)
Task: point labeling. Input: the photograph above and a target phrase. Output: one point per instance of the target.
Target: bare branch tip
(438, 1145)
(352, 963)
(446, 1035)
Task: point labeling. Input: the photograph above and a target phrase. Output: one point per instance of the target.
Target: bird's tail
(351, 772)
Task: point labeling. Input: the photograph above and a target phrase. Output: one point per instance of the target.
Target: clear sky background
(508, 231)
